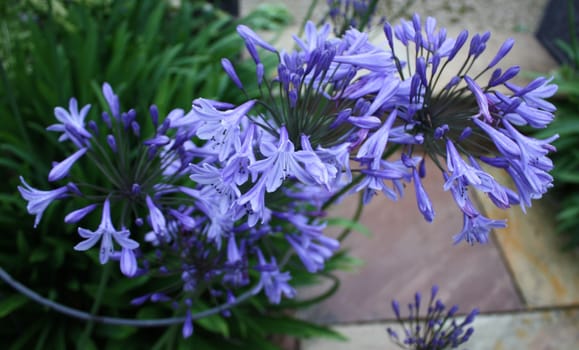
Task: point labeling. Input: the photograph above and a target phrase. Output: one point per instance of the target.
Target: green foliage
(566, 124)
(149, 52)
(566, 159)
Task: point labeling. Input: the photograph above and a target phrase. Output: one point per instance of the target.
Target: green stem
(355, 218)
(167, 340)
(96, 305)
(293, 304)
(173, 332)
(308, 16)
(343, 191)
(366, 19)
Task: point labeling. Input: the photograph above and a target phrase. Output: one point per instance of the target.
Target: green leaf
(257, 343)
(268, 17)
(22, 154)
(31, 332)
(11, 303)
(12, 199)
(566, 48)
(10, 137)
(349, 224)
(127, 285)
(570, 212)
(343, 262)
(571, 177)
(150, 312)
(297, 328)
(214, 323)
(59, 339)
(39, 254)
(41, 342)
(115, 332)
(21, 243)
(10, 164)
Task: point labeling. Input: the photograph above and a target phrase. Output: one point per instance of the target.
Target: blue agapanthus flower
(224, 196)
(464, 122)
(199, 210)
(347, 93)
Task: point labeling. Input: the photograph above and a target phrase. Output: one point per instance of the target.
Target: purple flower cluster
(341, 106)
(439, 329)
(171, 206)
(224, 195)
(135, 174)
(466, 123)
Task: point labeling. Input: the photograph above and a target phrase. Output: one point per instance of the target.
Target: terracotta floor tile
(407, 254)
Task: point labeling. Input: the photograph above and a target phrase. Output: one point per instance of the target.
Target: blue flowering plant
(219, 201)
(360, 103)
(438, 329)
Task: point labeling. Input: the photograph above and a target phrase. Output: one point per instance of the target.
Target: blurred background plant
(566, 124)
(162, 52)
(360, 14)
(357, 14)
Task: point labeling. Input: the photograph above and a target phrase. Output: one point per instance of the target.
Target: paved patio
(526, 288)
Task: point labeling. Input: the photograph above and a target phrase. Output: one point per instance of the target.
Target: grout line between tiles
(534, 310)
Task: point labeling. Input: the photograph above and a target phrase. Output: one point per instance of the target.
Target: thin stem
(343, 191)
(368, 15)
(308, 16)
(114, 177)
(355, 218)
(96, 305)
(165, 338)
(318, 298)
(160, 322)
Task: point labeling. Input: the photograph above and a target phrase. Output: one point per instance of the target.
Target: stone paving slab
(544, 274)
(407, 254)
(541, 330)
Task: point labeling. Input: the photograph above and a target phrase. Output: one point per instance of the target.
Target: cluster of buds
(438, 329)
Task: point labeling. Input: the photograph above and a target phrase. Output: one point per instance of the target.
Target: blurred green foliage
(150, 52)
(566, 159)
(566, 124)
